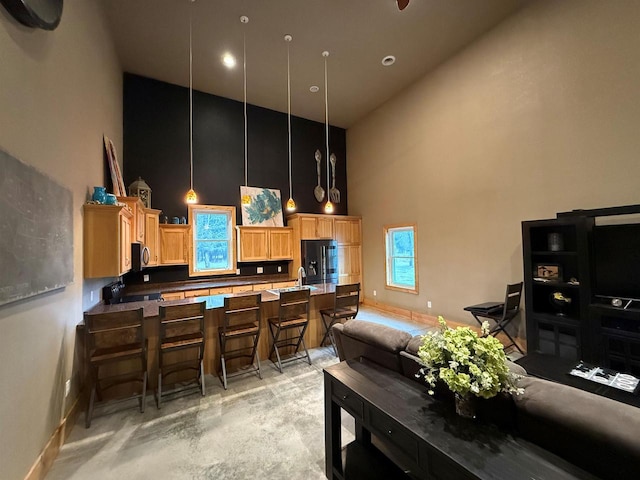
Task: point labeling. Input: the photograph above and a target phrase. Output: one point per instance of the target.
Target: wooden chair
(346, 302)
(241, 321)
(113, 338)
(293, 313)
(181, 329)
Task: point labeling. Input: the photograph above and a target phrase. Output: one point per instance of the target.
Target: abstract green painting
(261, 207)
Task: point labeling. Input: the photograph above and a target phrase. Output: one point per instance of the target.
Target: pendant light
(328, 207)
(245, 199)
(291, 205)
(191, 196)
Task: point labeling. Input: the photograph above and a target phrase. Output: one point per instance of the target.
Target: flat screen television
(616, 250)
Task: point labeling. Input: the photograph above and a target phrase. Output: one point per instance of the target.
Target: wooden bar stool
(346, 302)
(241, 321)
(181, 329)
(113, 338)
(293, 313)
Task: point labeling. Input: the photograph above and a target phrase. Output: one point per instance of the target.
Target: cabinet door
(173, 295)
(151, 236)
(280, 244)
(220, 290)
(253, 243)
(125, 244)
(324, 227)
(308, 228)
(140, 225)
(196, 293)
(242, 288)
(347, 230)
(174, 244)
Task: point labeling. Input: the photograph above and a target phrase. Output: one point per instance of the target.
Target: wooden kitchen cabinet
(264, 243)
(106, 240)
(139, 217)
(173, 295)
(174, 244)
(152, 235)
(315, 227)
(348, 230)
(349, 264)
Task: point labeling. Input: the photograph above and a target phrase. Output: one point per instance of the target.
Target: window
(401, 258)
(212, 249)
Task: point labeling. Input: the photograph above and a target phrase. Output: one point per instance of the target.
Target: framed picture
(548, 272)
(264, 208)
(116, 176)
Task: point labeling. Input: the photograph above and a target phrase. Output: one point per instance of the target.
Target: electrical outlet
(91, 296)
(279, 268)
(259, 270)
(429, 304)
(145, 278)
(375, 293)
(67, 388)
(237, 271)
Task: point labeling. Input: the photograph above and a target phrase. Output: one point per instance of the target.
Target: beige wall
(540, 115)
(59, 91)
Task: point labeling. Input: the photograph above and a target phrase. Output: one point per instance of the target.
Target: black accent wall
(156, 148)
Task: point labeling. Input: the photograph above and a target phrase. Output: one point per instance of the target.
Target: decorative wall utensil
(334, 193)
(318, 191)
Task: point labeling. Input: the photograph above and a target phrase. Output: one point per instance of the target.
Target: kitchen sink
(291, 289)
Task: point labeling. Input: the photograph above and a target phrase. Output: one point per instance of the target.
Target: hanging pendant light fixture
(191, 196)
(245, 199)
(328, 207)
(291, 205)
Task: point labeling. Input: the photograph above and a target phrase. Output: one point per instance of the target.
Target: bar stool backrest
(240, 311)
(179, 320)
(294, 304)
(115, 329)
(347, 297)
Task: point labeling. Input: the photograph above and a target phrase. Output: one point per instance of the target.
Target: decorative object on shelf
(165, 219)
(99, 194)
(264, 208)
(318, 191)
(560, 302)
(291, 205)
(191, 196)
(183, 220)
(469, 365)
(555, 242)
(36, 13)
(140, 189)
(549, 272)
(114, 168)
(328, 207)
(245, 199)
(334, 193)
(110, 199)
(175, 221)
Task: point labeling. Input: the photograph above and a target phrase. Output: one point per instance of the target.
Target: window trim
(232, 241)
(387, 259)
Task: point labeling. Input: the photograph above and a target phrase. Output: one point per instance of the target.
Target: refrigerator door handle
(324, 265)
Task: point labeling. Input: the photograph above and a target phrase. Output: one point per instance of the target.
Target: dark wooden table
(423, 436)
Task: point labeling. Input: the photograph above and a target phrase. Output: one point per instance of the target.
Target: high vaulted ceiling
(152, 39)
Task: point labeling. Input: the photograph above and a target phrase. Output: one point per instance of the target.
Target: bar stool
(113, 338)
(346, 302)
(241, 321)
(293, 313)
(181, 329)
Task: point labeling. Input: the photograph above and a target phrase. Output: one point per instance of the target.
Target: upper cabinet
(348, 230)
(152, 235)
(138, 219)
(264, 243)
(107, 240)
(174, 244)
(315, 227)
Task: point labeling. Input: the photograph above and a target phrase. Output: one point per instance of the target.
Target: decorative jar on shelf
(99, 194)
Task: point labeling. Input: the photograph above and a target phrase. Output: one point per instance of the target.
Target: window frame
(388, 270)
(227, 210)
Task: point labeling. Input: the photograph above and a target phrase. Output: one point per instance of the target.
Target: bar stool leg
(304, 346)
(202, 376)
(275, 336)
(89, 414)
(143, 396)
(256, 356)
(159, 397)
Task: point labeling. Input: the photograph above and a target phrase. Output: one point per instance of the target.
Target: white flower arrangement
(465, 362)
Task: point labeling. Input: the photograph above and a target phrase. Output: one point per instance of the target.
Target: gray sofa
(600, 435)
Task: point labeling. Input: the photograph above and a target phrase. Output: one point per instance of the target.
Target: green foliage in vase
(263, 207)
(465, 362)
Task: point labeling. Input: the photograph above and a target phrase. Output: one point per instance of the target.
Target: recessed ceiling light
(229, 60)
(388, 60)
(314, 89)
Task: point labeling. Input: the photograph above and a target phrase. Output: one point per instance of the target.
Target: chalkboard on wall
(36, 232)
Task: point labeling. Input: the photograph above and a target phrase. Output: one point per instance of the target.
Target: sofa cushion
(595, 432)
(414, 345)
(380, 336)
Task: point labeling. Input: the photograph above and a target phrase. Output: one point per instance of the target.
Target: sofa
(600, 435)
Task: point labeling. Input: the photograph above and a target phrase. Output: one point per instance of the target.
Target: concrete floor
(271, 428)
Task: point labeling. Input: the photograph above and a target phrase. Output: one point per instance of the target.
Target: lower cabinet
(349, 258)
(107, 240)
(174, 244)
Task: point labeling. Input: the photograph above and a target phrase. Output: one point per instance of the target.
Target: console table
(423, 436)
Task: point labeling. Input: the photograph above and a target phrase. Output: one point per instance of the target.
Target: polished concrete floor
(271, 428)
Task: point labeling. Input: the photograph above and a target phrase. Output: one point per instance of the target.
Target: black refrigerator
(320, 261)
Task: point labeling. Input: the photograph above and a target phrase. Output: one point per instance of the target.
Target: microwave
(140, 256)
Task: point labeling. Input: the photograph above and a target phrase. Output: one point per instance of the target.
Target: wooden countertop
(151, 307)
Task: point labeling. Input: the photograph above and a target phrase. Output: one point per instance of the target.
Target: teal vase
(99, 194)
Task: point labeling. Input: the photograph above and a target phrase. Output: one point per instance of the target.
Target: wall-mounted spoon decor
(318, 191)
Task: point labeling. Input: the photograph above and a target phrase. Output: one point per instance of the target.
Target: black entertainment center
(582, 287)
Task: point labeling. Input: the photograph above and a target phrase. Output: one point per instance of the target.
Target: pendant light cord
(326, 113)
(190, 97)
(289, 113)
(244, 67)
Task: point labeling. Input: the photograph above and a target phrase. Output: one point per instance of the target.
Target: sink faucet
(301, 275)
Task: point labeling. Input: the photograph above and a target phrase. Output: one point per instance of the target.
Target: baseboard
(44, 461)
(430, 320)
